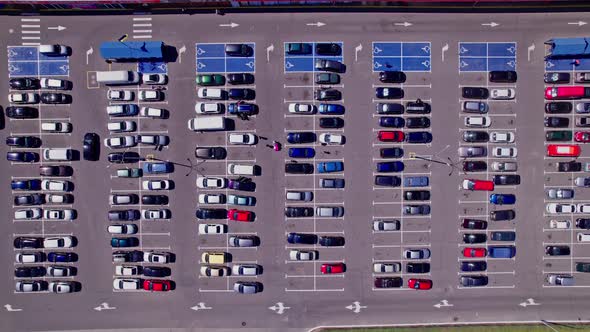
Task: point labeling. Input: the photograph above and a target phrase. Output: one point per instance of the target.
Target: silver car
(422, 253)
(241, 200)
(384, 267)
(560, 193)
(504, 166)
(582, 182)
(386, 225)
(243, 241)
(472, 151)
(475, 107)
(560, 280)
(583, 108)
(305, 196)
(248, 287)
(329, 211)
(246, 269)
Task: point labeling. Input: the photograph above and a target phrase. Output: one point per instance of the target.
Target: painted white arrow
(200, 306)
(579, 23)
(9, 307)
(356, 52)
(180, 51)
(231, 25)
(530, 49)
(58, 28)
(279, 308)
(269, 49)
(318, 24)
(356, 307)
(104, 306)
(88, 52)
(528, 302)
(406, 24)
(443, 303)
(492, 24)
(444, 49)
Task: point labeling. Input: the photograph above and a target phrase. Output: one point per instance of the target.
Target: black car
(512, 179)
(22, 156)
(301, 137)
(133, 256)
(557, 250)
(503, 76)
(123, 157)
(388, 181)
(215, 152)
(23, 242)
(302, 238)
(327, 94)
(558, 107)
(331, 241)
(419, 137)
(556, 122)
(30, 272)
(156, 271)
(391, 152)
(417, 122)
(22, 112)
(299, 168)
(556, 78)
(23, 141)
(473, 281)
(474, 224)
(241, 50)
(503, 236)
(331, 123)
(31, 199)
(389, 93)
(392, 121)
(472, 136)
(418, 107)
(154, 199)
(124, 215)
(298, 212)
(242, 94)
(583, 223)
(569, 166)
(91, 144)
(392, 77)
(211, 213)
(473, 266)
(417, 195)
(391, 282)
(502, 215)
(389, 108)
(328, 49)
(474, 238)
(418, 267)
(240, 78)
(55, 98)
(583, 267)
(327, 78)
(24, 83)
(475, 93)
(56, 170)
(474, 166)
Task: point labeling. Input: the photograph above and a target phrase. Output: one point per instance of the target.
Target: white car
(559, 224)
(504, 166)
(121, 126)
(557, 208)
(478, 121)
(209, 108)
(583, 208)
(211, 182)
(127, 270)
(60, 271)
(161, 140)
(242, 139)
(152, 112)
(61, 214)
(123, 229)
(503, 93)
(156, 185)
(387, 267)
(55, 185)
(28, 286)
(501, 137)
(499, 152)
(245, 269)
(212, 198)
(155, 214)
(126, 284)
(386, 225)
(54, 50)
(302, 108)
(303, 255)
(28, 257)
(120, 95)
(61, 287)
(58, 198)
(150, 95)
(560, 193)
(215, 271)
(27, 214)
(23, 98)
(212, 229)
(58, 242)
(333, 139)
(156, 257)
(56, 127)
(211, 93)
(119, 199)
(55, 84)
(154, 78)
(120, 142)
(582, 181)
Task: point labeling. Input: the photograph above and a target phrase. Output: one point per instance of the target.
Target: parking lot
(380, 193)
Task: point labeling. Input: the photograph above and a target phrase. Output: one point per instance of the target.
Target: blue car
(416, 181)
(502, 199)
(333, 109)
(390, 166)
(330, 166)
(33, 184)
(502, 252)
(22, 156)
(120, 242)
(62, 257)
(419, 137)
(302, 238)
(392, 121)
(242, 94)
(157, 167)
(243, 108)
(301, 152)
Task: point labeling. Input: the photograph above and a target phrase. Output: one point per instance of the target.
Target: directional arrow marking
(491, 24)
(356, 52)
(443, 303)
(9, 307)
(318, 24)
(579, 23)
(58, 28)
(528, 302)
(104, 306)
(88, 52)
(406, 24)
(530, 49)
(200, 306)
(279, 308)
(356, 307)
(231, 25)
(180, 51)
(444, 49)
(269, 49)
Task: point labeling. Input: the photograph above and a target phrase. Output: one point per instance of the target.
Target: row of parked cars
(477, 151)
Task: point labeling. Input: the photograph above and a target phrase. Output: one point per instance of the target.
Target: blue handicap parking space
(54, 68)
(152, 67)
(27, 61)
(401, 56)
(477, 57)
(16, 53)
(211, 58)
(23, 69)
(306, 62)
(567, 64)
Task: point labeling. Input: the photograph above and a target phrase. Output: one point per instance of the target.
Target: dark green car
(327, 78)
(583, 267)
(558, 136)
(210, 80)
(298, 48)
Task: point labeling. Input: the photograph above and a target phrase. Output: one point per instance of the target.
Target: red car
(240, 215)
(554, 150)
(565, 92)
(333, 268)
(391, 136)
(154, 285)
(421, 284)
(470, 184)
(582, 136)
(474, 252)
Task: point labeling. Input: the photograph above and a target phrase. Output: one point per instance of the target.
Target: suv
(502, 215)
(503, 76)
(299, 168)
(302, 238)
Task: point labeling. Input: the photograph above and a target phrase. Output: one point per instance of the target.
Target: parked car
(475, 93)
(554, 77)
(389, 93)
(505, 76)
(330, 65)
(21, 112)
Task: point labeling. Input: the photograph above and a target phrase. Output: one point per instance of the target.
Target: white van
(208, 123)
(583, 237)
(57, 154)
(240, 169)
(117, 77)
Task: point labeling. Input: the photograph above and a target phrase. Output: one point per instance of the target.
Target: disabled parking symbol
(464, 64)
(11, 53)
(511, 49)
(463, 50)
(64, 68)
(250, 64)
(377, 65)
(511, 64)
(426, 49)
(200, 51)
(426, 64)
(288, 65)
(13, 69)
(200, 65)
(377, 50)
(550, 64)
